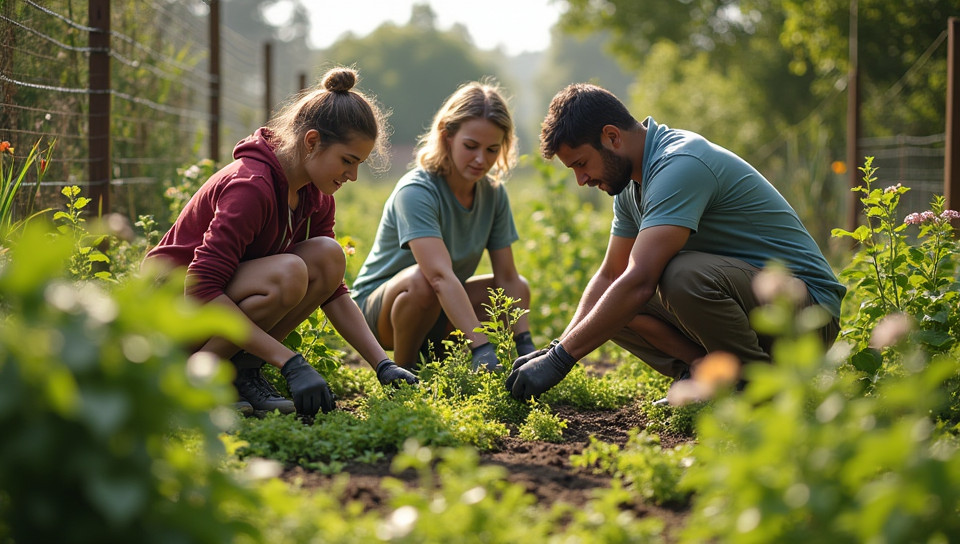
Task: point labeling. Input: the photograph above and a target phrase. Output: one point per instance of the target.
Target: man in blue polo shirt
(693, 225)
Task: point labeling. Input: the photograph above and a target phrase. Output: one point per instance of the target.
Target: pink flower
(928, 216)
(948, 215)
(892, 188)
(912, 219)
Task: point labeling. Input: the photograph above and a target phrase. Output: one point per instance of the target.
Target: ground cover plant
(113, 434)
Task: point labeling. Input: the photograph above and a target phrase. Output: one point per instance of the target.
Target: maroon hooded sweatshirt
(240, 214)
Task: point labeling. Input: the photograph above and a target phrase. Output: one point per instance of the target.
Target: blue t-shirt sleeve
(624, 208)
(417, 213)
(504, 231)
(678, 193)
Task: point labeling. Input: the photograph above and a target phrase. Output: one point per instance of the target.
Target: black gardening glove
(309, 390)
(389, 373)
(485, 358)
(539, 374)
(524, 343)
(524, 359)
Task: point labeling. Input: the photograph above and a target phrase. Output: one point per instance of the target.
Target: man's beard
(617, 172)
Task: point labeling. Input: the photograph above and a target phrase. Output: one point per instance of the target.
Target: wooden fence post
(267, 80)
(214, 126)
(98, 137)
(951, 162)
(853, 123)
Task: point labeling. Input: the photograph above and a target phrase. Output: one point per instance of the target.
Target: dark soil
(542, 468)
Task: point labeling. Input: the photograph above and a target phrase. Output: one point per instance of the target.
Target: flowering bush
(896, 274)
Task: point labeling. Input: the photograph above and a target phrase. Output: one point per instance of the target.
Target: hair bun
(339, 80)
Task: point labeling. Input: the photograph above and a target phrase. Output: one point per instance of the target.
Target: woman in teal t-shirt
(417, 283)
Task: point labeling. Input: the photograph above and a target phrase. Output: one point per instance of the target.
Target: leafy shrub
(94, 392)
(895, 274)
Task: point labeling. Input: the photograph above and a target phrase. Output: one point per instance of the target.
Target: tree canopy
(411, 69)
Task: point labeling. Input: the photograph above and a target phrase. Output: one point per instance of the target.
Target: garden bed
(542, 468)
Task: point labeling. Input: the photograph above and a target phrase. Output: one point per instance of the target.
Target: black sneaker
(244, 407)
(255, 389)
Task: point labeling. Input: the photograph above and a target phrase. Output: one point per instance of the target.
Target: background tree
(410, 69)
(902, 57)
(283, 23)
(767, 78)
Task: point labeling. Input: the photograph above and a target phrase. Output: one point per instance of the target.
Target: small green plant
(542, 424)
(643, 466)
(502, 314)
(87, 261)
(11, 185)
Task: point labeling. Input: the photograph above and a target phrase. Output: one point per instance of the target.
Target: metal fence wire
(159, 89)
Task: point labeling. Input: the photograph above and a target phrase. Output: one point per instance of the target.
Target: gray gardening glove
(539, 374)
(389, 373)
(485, 358)
(524, 343)
(309, 390)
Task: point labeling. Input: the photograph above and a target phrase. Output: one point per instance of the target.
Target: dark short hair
(577, 115)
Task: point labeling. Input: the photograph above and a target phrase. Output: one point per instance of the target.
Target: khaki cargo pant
(709, 299)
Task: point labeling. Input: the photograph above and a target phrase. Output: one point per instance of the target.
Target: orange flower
(839, 167)
(5, 146)
(43, 165)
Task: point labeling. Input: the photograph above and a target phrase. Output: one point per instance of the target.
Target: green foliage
(895, 53)
(94, 393)
(181, 191)
(541, 424)
(452, 406)
(380, 424)
(811, 458)
(498, 327)
(11, 186)
(128, 246)
(645, 468)
(802, 456)
(87, 261)
(893, 273)
(457, 500)
(587, 391)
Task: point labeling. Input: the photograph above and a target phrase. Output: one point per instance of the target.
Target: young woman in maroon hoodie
(258, 238)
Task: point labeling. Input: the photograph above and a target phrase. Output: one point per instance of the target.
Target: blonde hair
(475, 100)
(338, 113)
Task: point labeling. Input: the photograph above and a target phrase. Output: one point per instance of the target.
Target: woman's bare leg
(410, 308)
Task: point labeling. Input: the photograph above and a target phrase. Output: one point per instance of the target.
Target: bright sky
(516, 25)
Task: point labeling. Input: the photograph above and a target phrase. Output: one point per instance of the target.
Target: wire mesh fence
(916, 162)
(159, 89)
